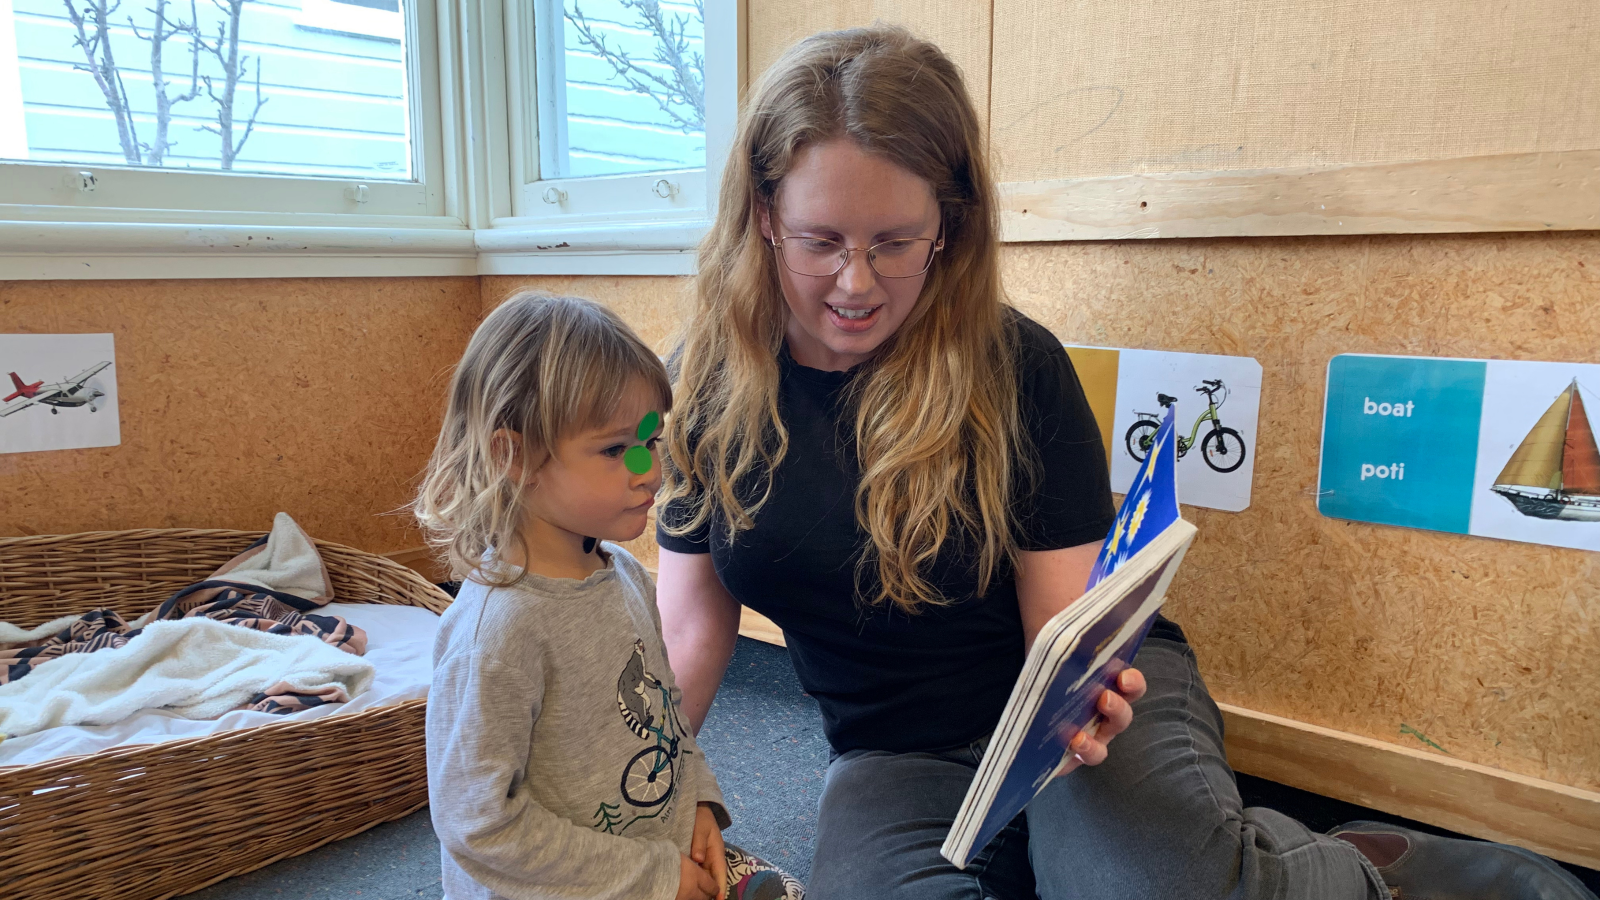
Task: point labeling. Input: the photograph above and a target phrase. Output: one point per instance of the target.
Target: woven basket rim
(11, 546)
(209, 743)
(216, 740)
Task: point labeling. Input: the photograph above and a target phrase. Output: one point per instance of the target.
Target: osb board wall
(652, 305)
(1113, 87)
(1482, 649)
(240, 398)
(959, 27)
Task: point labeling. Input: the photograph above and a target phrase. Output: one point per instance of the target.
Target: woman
(873, 450)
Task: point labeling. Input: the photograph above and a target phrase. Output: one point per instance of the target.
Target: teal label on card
(1400, 440)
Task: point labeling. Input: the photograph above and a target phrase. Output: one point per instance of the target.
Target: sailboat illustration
(1555, 471)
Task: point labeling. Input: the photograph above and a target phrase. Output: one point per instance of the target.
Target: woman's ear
(763, 213)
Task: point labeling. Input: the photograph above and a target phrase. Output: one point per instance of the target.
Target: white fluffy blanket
(197, 668)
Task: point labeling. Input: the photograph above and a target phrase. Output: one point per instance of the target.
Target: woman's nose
(857, 276)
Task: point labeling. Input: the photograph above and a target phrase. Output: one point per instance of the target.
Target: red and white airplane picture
(70, 393)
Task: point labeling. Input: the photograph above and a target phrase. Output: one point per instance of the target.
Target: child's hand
(694, 883)
(707, 849)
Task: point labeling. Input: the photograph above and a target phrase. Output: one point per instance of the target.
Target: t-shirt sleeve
(1070, 502)
(696, 541)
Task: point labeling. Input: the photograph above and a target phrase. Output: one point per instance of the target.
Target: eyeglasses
(820, 257)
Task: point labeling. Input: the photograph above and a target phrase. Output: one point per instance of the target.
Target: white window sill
(435, 246)
(535, 247)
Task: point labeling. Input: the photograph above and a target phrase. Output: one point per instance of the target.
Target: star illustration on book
(1116, 535)
(1138, 516)
(1146, 471)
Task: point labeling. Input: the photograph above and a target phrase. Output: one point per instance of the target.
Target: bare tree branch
(684, 89)
(92, 23)
(93, 26)
(163, 30)
(225, 48)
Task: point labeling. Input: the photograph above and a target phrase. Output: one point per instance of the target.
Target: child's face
(587, 486)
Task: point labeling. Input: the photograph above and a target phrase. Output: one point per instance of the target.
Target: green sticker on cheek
(638, 460)
(648, 425)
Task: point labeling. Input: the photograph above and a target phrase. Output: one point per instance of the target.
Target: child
(558, 765)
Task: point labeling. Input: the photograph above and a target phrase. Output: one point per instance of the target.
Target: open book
(1079, 653)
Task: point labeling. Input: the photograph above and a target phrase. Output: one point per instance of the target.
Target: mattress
(399, 646)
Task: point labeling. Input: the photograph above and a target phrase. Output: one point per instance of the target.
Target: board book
(1079, 653)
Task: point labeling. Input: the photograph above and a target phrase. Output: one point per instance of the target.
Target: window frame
(471, 88)
(606, 223)
(140, 220)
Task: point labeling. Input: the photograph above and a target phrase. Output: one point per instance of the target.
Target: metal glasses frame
(844, 256)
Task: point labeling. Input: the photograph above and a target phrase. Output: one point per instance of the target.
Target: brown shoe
(1419, 866)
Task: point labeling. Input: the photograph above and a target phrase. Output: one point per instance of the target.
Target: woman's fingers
(1131, 684)
(1090, 751)
(1116, 714)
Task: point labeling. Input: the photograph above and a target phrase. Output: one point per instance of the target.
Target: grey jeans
(1160, 819)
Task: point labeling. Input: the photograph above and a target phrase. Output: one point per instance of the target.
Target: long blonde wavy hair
(936, 419)
(541, 367)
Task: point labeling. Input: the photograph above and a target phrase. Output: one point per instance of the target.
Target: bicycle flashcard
(1218, 403)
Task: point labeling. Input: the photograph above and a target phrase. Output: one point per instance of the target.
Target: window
(626, 103)
(368, 18)
(626, 92)
(321, 94)
(557, 136)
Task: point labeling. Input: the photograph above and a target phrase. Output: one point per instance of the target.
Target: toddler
(558, 765)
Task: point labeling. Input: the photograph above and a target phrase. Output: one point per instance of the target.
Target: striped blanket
(275, 585)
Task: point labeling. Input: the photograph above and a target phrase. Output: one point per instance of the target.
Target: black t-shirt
(886, 680)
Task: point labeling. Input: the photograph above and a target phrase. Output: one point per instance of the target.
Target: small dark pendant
(588, 544)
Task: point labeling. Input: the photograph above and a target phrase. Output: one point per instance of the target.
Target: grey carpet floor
(763, 737)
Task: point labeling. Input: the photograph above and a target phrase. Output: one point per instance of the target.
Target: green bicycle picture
(1222, 448)
(647, 780)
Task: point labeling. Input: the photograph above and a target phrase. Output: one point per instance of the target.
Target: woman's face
(840, 193)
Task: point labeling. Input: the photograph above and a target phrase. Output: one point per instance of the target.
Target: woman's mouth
(853, 318)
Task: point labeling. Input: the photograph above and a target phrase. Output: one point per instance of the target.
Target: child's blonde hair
(542, 366)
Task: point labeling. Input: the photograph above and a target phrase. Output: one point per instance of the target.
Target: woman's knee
(882, 820)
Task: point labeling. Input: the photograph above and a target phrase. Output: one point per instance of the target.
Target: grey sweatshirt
(558, 765)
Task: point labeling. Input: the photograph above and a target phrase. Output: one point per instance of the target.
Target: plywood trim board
(1507, 192)
(758, 627)
(1553, 819)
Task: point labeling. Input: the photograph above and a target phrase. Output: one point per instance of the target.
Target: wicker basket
(159, 820)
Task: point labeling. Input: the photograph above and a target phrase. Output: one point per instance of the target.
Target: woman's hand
(706, 848)
(1044, 589)
(1115, 711)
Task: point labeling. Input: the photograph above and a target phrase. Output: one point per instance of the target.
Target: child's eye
(615, 450)
(651, 444)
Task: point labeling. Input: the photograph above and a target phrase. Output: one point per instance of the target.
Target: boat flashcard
(1494, 448)
(59, 392)
(1218, 400)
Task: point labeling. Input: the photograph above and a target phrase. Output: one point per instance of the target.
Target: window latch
(356, 193)
(554, 195)
(665, 189)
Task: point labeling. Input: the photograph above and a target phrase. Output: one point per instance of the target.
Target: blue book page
(1067, 707)
(1150, 505)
